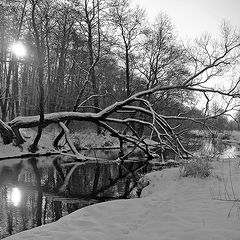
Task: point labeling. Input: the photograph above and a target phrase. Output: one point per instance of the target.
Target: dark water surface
(39, 191)
(213, 148)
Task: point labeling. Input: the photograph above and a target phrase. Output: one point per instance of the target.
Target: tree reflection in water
(51, 188)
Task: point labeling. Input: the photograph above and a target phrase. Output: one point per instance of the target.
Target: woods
(103, 100)
(103, 62)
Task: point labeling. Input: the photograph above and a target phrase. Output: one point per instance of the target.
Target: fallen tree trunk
(33, 121)
(28, 155)
(155, 122)
(97, 118)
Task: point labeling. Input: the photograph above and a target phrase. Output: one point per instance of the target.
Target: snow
(10, 150)
(170, 207)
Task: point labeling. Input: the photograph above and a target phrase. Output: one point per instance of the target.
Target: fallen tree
(207, 61)
(155, 122)
(158, 124)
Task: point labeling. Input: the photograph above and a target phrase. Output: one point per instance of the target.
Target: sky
(192, 18)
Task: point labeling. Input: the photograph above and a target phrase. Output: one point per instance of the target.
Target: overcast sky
(191, 18)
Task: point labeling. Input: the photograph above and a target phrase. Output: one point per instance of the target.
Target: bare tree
(127, 27)
(162, 59)
(169, 69)
(12, 71)
(65, 28)
(40, 48)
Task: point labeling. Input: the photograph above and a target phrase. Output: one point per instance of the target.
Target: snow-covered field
(171, 207)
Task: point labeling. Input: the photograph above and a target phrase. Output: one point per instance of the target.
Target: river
(39, 191)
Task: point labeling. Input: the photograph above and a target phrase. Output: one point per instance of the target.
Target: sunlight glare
(14, 196)
(19, 49)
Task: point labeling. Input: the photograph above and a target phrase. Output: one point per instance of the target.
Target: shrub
(197, 167)
(225, 136)
(93, 140)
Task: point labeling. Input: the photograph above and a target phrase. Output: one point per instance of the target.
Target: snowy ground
(171, 207)
(84, 139)
(12, 150)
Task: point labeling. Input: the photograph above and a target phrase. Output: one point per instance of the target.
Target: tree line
(86, 55)
(83, 48)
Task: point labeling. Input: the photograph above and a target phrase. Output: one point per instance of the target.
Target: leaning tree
(208, 60)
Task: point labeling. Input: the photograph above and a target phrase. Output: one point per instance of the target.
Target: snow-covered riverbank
(84, 139)
(171, 207)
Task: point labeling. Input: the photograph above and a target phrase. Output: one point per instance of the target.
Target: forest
(103, 62)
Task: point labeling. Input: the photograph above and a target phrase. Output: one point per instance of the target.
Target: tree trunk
(15, 109)
(6, 133)
(33, 147)
(7, 92)
(40, 58)
(127, 72)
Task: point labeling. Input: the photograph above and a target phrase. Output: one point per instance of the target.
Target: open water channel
(37, 191)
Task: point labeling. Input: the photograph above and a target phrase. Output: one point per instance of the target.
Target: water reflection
(212, 147)
(38, 191)
(14, 196)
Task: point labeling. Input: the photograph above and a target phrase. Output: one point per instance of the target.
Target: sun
(14, 196)
(19, 49)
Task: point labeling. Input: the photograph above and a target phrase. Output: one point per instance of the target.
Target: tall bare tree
(40, 51)
(127, 23)
(11, 96)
